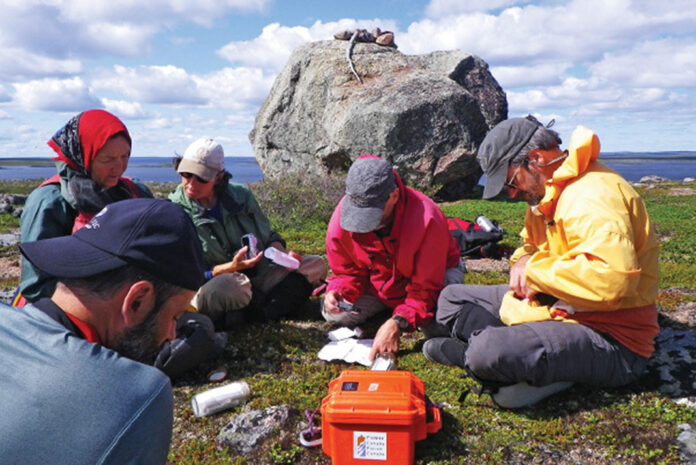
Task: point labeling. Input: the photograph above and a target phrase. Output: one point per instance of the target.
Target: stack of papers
(345, 346)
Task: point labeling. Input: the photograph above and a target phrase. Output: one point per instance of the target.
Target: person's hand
(386, 340)
(518, 280)
(238, 263)
(331, 299)
(294, 255)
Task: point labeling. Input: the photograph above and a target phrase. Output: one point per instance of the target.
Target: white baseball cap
(204, 158)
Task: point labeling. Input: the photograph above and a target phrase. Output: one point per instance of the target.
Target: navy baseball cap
(499, 147)
(156, 236)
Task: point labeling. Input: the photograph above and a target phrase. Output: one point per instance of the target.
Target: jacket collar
(197, 212)
(582, 150)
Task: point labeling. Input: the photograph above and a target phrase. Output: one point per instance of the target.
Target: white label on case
(368, 445)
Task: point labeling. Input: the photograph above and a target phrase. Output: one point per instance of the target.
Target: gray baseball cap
(369, 182)
(499, 147)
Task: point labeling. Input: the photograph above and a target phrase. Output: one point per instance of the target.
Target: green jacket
(48, 214)
(241, 215)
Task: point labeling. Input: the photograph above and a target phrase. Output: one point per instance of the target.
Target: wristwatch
(401, 322)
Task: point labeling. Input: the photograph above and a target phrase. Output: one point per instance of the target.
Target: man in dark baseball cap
(502, 146)
(369, 185)
(72, 361)
(389, 248)
(580, 303)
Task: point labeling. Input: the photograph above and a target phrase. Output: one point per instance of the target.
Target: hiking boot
(522, 394)
(446, 350)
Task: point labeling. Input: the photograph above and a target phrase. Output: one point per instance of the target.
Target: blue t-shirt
(64, 400)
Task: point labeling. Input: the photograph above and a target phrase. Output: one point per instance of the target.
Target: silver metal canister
(384, 362)
(485, 224)
(221, 398)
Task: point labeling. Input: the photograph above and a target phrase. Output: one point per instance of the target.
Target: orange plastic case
(375, 417)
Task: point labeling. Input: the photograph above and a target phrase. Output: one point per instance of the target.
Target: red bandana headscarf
(79, 141)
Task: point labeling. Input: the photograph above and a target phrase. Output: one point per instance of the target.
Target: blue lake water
(246, 170)
(159, 169)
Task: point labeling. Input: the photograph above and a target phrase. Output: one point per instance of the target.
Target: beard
(536, 191)
(140, 342)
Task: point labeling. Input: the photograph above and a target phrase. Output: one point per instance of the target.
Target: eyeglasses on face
(511, 184)
(191, 175)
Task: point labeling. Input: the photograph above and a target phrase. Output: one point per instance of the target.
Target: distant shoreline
(43, 162)
(632, 166)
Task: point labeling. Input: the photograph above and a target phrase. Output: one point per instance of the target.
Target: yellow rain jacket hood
(593, 247)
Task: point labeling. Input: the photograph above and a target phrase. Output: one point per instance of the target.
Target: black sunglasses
(190, 175)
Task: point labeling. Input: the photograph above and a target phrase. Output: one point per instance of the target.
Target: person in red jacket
(388, 247)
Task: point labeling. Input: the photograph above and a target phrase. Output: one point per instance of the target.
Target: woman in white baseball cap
(240, 285)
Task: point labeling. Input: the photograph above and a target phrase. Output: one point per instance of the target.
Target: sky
(177, 70)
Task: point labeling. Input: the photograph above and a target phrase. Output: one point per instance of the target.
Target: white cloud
(534, 75)
(273, 47)
(660, 63)
(152, 84)
(49, 94)
(16, 63)
(117, 38)
(576, 31)
(38, 31)
(199, 11)
(594, 97)
(123, 109)
(440, 8)
(240, 89)
(44, 33)
(4, 115)
(159, 123)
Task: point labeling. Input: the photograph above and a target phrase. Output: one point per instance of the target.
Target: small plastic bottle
(281, 258)
(221, 398)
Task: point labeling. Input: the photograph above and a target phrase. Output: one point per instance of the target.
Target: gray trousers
(539, 353)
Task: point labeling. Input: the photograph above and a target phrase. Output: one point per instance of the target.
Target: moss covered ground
(631, 425)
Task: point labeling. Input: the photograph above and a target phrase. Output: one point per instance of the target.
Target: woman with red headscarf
(92, 152)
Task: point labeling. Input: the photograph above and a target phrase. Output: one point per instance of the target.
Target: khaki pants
(233, 291)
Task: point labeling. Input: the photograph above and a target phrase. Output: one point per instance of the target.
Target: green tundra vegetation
(631, 425)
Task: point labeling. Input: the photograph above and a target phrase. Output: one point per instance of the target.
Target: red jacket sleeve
(348, 278)
(430, 253)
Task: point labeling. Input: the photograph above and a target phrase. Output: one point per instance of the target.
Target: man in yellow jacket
(580, 304)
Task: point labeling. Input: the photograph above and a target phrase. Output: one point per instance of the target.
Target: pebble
(687, 443)
(9, 239)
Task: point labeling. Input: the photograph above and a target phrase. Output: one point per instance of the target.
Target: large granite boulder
(425, 114)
